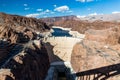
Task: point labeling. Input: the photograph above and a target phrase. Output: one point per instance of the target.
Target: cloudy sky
(50, 8)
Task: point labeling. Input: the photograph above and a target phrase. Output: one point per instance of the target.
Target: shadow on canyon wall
(7, 51)
(32, 66)
(52, 56)
(61, 70)
(35, 64)
(104, 72)
(8, 78)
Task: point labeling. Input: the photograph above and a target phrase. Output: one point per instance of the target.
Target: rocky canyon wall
(98, 55)
(18, 29)
(31, 63)
(22, 57)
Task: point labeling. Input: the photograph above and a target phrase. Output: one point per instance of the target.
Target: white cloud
(26, 8)
(85, 0)
(69, 11)
(81, 0)
(52, 12)
(25, 4)
(78, 16)
(43, 13)
(89, 0)
(33, 15)
(39, 10)
(55, 5)
(93, 14)
(62, 8)
(47, 11)
(115, 12)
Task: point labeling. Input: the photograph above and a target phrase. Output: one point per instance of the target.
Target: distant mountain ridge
(106, 17)
(102, 17)
(81, 24)
(59, 18)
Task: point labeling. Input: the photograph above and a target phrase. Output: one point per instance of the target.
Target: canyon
(96, 56)
(58, 48)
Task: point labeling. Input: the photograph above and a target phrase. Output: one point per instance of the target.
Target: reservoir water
(60, 32)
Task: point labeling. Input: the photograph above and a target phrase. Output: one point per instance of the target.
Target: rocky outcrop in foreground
(21, 56)
(30, 63)
(97, 57)
(5, 48)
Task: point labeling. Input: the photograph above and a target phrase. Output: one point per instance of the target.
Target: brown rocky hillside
(98, 55)
(20, 29)
(31, 62)
(22, 57)
(80, 25)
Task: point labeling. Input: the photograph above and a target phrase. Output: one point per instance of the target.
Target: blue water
(60, 32)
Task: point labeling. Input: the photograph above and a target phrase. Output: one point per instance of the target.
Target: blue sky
(50, 8)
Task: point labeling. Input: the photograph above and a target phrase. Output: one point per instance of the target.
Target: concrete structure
(59, 50)
(62, 47)
(58, 68)
(76, 34)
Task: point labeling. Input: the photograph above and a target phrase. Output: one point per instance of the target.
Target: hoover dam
(59, 48)
(64, 49)
(62, 45)
(66, 62)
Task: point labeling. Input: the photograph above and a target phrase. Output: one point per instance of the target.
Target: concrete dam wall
(60, 48)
